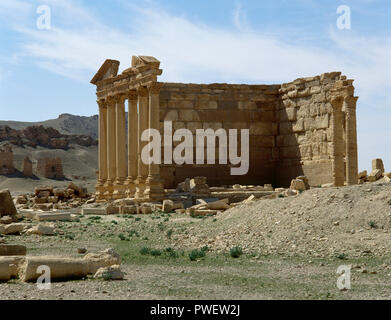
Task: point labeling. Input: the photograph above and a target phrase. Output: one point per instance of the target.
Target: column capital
(142, 91)
(101, 103)
(132, 94)
(351, 102)
(154, 87)
(111, 100)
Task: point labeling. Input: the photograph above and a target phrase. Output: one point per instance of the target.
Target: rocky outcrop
(45, 137)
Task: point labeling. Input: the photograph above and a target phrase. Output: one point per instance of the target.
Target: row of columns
(124, 174)
(345, 111)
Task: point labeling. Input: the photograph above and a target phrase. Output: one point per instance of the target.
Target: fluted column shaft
(111, 146)
(132, 143)
(338, 162)
(120, 147)
(154, 189)
(102, 148)
(142, 125)
(351, 141)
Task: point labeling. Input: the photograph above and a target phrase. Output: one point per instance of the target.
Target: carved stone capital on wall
(351, 102)
(132, 95)
(154, 87)
(111, 100)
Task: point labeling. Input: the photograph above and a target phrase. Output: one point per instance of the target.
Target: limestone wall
(6, 160)
(50, 168)
(305, 137)
(201, 106)
(291, 127)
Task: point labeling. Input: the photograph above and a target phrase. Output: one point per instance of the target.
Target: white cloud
(240, 18)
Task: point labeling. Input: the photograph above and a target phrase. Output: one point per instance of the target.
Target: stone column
(337, 153)
(119, 188)
(102, 149)
(142, 125)
(351, 141)
(132, 144)
(111, 148)
(154, 185)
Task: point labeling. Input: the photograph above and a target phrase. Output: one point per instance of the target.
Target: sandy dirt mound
(351, 221)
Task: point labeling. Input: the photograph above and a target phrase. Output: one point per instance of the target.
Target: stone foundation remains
(305, 127)
(6, 159)
(50, 168)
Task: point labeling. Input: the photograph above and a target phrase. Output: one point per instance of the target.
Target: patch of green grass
(69, 236)
(137, 219)
(236, 252)
(145, 250)
(373, 224)
(341, 256)
(122, 237)
(114, 222)
(169, 233)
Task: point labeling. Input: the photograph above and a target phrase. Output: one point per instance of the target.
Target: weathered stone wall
(6, 160)
(227, 106)
(291, 127)
(305, 137)
(50, 168)
(27, 167)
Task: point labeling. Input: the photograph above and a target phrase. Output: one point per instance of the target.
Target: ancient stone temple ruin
(50, 168)
(6, 159)
(305, 127)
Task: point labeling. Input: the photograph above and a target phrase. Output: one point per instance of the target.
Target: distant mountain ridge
(66, 123)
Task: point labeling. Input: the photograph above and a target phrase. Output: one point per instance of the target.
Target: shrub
(155, 252)
(70, 236)
(171, 253)
(236, 252)
(145, 250)
(196, 254)
(341, 256)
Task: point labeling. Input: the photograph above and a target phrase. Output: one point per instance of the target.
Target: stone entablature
(307, 126)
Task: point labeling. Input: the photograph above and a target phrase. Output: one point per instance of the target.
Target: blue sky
(46, 72)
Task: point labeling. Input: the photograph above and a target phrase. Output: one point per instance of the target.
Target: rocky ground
(291, 248)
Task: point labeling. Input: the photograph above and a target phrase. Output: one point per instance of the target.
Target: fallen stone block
(387, 179)
(68, 268)
(305, 180)
(362, 174)
(290, 193)
(7, 207)
(180, 211)
(42, 230)
(168, 206)
(53, 216)
(29, 214)
(109, 273)
(21, 200)
(9, 267)
(12, 250)
(131, 209)
(94, 211)
(218, 205)
(6, 220)
(47, 189)
(249, 199)
(13, 228)
(146, 210)
(375, 175)
(268, 187)
(112, 210)
(327, 185)
(297, 184)
(205, 212)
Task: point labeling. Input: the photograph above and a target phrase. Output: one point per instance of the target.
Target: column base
(154, 190)
(108, 189)
(100, 190)
(130, 187)
(119, 189)
(140, 188)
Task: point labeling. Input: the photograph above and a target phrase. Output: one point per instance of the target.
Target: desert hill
(66, 124)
